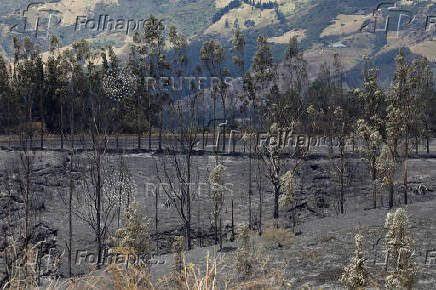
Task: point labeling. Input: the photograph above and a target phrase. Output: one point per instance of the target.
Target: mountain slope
(324, 27)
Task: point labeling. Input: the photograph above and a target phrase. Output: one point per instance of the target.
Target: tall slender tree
(398, 110)
(5, 95)
(154, 38)
(212, 55)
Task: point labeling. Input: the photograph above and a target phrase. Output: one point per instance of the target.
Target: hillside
(324, 27)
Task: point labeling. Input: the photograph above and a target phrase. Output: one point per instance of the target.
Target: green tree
(262, 64)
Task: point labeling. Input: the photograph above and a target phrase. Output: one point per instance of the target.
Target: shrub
(277, 238)
(288, 188)
(399, 248)
(133, 237)
(245, 258)
(178, 249)
(355, 275)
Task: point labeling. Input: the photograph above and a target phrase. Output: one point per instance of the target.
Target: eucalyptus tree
(370, 128)
(272, 159)
(238, 59)
(23, 86)
(216, 182)
(176, 167)
(212, 55)
(99, 205)
(262, 73)
(281, 110)
(321, 97)
(51, 83)
(155, 39)
(39, 91)
(355, 274)
(262, 64)
(296, 74)
(399, 246)
(29, 83)
(401, 113)
(281, 105)
(80, 81)
(136, 65)
(249, 138)
(371, 149)
(238, 50)
(395, 127)
(179, 63)
(342, 127)
(5, 95)
(272, 155)
(254, 85)
(63, 89)
(119, 84)
(79, 96)
(426, 114)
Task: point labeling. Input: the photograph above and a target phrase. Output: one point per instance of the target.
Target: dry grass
(426, 48)
(214, 275)
(345, 24)
(70, 9)
(243, 13)
(262, 18)
(277, 238)
(22, 266)
(222, 3)
(328, 238)
(312, 254)
(284, 39)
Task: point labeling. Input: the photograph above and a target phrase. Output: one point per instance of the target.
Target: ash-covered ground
(323, 241)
